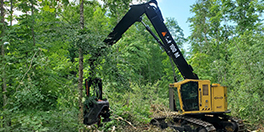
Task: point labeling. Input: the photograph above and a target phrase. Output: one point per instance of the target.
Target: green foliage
(247, 84)
(134, 106)
(44, 120)
(227, 48)
(41, 75)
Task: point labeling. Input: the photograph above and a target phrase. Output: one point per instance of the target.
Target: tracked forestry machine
(202, 106)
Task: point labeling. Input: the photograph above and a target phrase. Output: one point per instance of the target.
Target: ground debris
(142, 128)
(260, 129)
(159, 110)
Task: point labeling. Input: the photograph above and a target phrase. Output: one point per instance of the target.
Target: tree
(224, 37)
(80, 80)
(4, 87)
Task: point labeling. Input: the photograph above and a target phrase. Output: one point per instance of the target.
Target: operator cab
(198, 96)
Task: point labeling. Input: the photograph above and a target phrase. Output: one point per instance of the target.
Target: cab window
(189, 94)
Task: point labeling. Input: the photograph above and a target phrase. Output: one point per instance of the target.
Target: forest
(53, 45)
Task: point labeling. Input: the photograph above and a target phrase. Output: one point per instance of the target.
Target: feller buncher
(202, 105)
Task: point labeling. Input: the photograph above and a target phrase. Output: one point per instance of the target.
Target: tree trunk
(80, 86)
(32, 25)
(3, 55)
(11, 12)
(80, 80)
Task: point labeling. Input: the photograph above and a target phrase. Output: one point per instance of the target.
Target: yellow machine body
(198, 96)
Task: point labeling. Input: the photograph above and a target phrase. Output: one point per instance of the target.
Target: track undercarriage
(200, 123)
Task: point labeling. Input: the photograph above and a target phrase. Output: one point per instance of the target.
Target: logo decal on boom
(163, 33)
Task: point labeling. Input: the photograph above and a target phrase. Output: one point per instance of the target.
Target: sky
(180, 10)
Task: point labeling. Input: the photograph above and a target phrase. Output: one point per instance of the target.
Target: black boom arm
(153, 13)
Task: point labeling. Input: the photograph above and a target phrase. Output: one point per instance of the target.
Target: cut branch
(120, 118)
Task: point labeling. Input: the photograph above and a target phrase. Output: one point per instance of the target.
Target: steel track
(162, 122)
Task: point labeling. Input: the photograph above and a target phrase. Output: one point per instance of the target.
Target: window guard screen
(205, 89)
